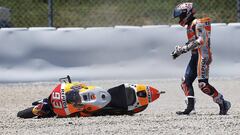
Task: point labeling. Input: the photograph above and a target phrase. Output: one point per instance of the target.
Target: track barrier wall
(120, 52)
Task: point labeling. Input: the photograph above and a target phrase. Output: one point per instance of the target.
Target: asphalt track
(159, 118)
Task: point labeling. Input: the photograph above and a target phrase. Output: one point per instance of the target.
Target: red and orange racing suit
(198, 33)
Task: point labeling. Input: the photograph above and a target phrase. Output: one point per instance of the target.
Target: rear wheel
(27, 113)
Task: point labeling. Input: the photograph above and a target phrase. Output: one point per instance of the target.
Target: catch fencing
(105, 13)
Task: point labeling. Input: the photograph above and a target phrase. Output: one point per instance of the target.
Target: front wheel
(26, 113)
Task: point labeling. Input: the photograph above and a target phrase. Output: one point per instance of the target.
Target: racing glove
(179, 50)
(183, 49)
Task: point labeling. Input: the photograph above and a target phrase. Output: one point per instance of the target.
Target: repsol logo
(204, 68)
(64, 101)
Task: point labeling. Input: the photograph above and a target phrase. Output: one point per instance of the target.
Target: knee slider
(202, 85)
(205, 88)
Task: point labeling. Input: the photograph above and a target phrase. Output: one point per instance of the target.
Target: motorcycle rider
(198, 33)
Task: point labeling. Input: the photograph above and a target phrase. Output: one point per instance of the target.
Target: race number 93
(56, 100)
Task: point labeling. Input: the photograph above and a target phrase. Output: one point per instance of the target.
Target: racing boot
(186, 101)
(224, 105)
(190, 107)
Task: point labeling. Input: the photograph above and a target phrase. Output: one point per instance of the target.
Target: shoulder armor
(204, 23)
(204, 20)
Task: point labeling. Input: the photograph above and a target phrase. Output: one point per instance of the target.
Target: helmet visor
(177, 12)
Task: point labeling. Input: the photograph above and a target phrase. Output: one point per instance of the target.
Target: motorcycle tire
(26, 113)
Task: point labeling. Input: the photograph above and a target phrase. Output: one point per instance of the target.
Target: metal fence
(103, 13)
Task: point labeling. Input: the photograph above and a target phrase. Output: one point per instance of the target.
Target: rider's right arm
(198, 41)
(199, 32)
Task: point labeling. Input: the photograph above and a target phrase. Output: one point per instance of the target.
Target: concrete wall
(121, 52)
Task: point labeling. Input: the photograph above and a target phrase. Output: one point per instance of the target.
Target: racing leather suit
(198, 33)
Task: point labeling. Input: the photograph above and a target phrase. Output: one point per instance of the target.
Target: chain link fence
(104, 13)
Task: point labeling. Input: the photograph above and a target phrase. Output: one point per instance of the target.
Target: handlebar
(65, 79)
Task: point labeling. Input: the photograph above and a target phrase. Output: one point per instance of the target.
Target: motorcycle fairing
(92, 99)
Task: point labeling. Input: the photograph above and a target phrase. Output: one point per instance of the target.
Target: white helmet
(184, 11)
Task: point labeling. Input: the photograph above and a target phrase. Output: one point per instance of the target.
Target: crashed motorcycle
(70, 99)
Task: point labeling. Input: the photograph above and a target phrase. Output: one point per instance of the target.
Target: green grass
(87, 13)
